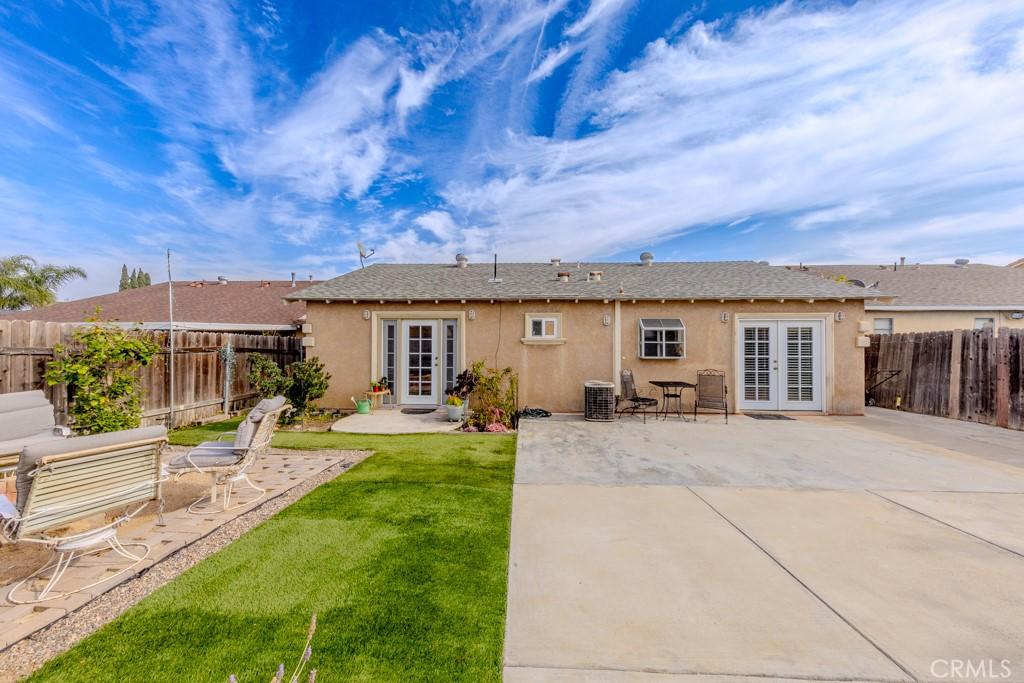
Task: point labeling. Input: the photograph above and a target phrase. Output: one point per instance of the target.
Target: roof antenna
(364, 254)
(495, 279)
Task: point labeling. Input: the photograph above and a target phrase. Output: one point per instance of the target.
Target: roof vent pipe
(461, 260)
(647, 258)
(222, 279)
(903, 260)
(595, 276)
(556, 261)
(293, 278)
(564, 276)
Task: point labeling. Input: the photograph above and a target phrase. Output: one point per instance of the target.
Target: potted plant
(454, 405)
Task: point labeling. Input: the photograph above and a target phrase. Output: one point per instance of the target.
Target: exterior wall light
(606, 320)
(724, 317)
(471, 314)
(366, 314)
(840, 315)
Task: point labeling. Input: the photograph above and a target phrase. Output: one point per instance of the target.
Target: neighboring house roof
(232, 306)
(1019, 263)
(938, 286)
(707, 280)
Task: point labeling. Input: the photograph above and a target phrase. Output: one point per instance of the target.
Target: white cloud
(790, 110)
(439, 224)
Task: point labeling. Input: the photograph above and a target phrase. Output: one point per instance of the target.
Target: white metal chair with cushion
(72, 479)
(26, 418)
(228, 462)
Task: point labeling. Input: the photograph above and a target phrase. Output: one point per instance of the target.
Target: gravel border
(26, 656)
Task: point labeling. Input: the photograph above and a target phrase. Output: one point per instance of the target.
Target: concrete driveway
(882, 548)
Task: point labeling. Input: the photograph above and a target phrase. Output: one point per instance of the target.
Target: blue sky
(255, 139)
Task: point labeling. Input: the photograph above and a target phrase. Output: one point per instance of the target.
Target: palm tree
(26, 284)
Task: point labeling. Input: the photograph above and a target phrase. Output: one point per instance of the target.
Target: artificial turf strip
(403, 558)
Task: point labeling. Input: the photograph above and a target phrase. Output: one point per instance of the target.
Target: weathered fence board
(27, 346)
(974, 375)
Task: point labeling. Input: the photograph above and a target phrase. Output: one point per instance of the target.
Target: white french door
(421, 356)
(781, 365)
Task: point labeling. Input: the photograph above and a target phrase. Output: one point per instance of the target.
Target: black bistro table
(672, 389)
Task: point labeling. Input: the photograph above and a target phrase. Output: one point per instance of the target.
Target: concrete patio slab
(618, 575)
(547, 675)
(394, 421)
(651, 579)
(803, 453)
(918, 589)
(995, 517)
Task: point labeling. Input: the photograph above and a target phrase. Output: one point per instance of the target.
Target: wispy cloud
(786, 111)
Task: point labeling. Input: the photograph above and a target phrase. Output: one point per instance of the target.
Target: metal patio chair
(633, 400)
(711, 392)
(228, 462)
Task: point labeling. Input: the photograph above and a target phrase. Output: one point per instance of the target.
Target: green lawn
(403, 558)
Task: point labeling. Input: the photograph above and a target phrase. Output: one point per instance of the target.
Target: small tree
(267, 376)
(125, 283)
(133, 279)
(146, 280)
(101, 368)
(309, 383)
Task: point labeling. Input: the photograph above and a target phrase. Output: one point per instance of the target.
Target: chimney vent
(595, 276)
(962, 262)
(222, 279)
(564, 275)
(556, 261)
(903, 260)
(293, 278)
(647, 258)
(461, 260)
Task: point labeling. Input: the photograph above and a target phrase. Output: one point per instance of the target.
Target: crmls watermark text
(971, 669)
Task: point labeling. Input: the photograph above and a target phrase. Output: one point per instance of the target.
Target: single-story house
(936, 297)
(786, 340)
(221, 305)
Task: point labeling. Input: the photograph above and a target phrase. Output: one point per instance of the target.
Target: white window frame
(890, 327)
(984, 322)
(530, 338)
(659, 325)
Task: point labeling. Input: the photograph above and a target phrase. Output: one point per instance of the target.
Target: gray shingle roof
(706, 280)
(940, 284)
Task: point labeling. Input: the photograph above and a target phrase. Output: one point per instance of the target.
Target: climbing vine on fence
(100, 366)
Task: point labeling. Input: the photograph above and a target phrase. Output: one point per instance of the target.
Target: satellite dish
(364, 253)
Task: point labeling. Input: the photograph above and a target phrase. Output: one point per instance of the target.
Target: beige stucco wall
(939, 321)
(551, 376)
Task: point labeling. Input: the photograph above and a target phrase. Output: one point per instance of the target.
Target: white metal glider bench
(228, 462)
(73, 479)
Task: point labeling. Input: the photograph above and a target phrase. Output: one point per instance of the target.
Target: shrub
(493, 396)
(100, 366)
(266, 375)
(302, 382)
(309, 382)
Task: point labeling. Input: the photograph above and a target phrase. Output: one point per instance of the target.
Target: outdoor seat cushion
(247, 428)
(14, 446)
(26, 421)
(19, 400)
(207, 454)
(32, 454)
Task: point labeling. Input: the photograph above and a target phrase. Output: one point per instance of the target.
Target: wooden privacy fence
(971, 375)
(199, 369)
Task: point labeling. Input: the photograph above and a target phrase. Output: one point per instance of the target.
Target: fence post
(954, 374)
(1003, 378)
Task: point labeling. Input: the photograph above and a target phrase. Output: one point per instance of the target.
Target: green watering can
(362, 405)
